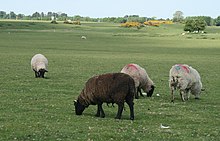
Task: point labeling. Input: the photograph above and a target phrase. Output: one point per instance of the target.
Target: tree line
(59, 16)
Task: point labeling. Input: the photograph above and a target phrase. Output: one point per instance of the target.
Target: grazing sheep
(39, 65)
(186, 79)
(83, 37)
(141, 79)
(110, 88)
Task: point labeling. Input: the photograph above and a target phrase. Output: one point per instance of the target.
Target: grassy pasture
(42, 109)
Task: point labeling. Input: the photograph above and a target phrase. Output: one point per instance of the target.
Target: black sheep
(110, 88)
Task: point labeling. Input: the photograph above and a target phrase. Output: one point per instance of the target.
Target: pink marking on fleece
(184, 67)
(132, 66)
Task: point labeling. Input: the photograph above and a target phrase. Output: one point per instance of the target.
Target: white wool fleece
(38, 62)
(139, 75)
(187, 78)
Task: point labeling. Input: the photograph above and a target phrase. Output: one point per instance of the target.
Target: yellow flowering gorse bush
(131, 24)
(157, 22)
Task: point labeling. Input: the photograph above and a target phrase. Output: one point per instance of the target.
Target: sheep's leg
(100, 112)
(36, 73)
(136, 95)
(42, 74)
(187, 94)
(139, 89)
(120, 109)
(172, 94)
(182, 94)
(197, 96)
(131, 106)
(196, 93)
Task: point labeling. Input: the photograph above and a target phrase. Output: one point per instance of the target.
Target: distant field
(42, 109)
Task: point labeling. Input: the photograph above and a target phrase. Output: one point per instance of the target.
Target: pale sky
(115, 8)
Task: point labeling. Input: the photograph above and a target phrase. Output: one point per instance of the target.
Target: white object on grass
(164, 127)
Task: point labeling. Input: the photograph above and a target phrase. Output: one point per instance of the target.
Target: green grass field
(42, 109)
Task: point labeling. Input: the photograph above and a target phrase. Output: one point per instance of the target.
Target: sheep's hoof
(102, 116)
(131, 118)
(117, 118)
(172, 101)
(183, 100)
(97, 115)
(196, 98)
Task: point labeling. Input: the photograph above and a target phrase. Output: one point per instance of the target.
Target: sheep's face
(150, 91)
(79, 108)
(41, 72)
(175, 82)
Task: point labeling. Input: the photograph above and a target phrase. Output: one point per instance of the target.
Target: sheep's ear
(75, 101)
(46, 70)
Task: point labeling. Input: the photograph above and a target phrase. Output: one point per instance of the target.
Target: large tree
(12, 15)
(178, 16)
(2, 14)
(217, 21)
(193, 25)
(207, 19)
(20, 16)
(36, 15)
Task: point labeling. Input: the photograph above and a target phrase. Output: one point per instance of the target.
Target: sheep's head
(41, 72)
(174, 81)
(79, 108)
(150, 91)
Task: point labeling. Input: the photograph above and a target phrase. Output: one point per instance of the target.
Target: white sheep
(83, 37)
(39, 65)
(186, 79)
(141, 79)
